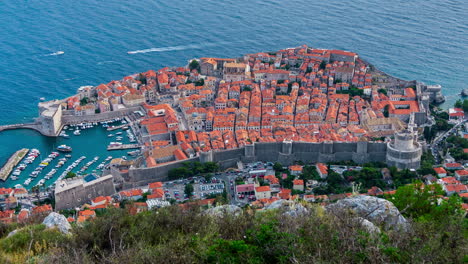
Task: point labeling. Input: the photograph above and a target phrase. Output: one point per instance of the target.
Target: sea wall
(68, 116)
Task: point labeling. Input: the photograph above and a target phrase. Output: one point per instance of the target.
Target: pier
(124, 146)
(12, 162)
(33, 126)
(117, 127)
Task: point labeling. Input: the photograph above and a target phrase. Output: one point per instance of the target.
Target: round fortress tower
(404, 152)
(404, 140)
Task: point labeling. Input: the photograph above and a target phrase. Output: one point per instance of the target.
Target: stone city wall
(69, 117)
(142, 176)
(359, 152)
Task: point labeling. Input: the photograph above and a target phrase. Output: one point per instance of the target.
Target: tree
(458, 103)
(323, 65)
(211, 166)
(277, 166)
(70, 174)
(429, 133)
(208, 177)
(194, 65)
(423, 203)
(384, 91)
(465, 105)
(427, 160)
(385, 111)
(178, 173)
(36, 190)
(188, 190)
(142, 78)
(309, 173)
(84, 101)
(200, 82)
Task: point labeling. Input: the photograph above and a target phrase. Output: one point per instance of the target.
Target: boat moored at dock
(64, 148)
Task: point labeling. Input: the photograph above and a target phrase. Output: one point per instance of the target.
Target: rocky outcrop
(57, 220)
(376, 210)
(367, 225)
(223, 210)
(290, 208)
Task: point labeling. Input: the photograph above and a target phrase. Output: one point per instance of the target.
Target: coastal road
(443, 136)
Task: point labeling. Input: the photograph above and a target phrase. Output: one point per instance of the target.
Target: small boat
(42, 99)
(68, 156)
(64, 148)
(76, 132)
(119, 133)
(57, 53)
(115, 144)
(110, 135)
(28, 181)
(133, 153)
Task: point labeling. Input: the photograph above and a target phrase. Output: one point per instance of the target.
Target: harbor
(80, 148)
(12, 162)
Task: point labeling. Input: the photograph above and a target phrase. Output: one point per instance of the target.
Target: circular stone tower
(404, 152)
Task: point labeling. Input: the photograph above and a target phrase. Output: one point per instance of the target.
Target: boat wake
(173, 48)
(106, 62)
(56, 53)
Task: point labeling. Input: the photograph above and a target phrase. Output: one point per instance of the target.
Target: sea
(423, 40)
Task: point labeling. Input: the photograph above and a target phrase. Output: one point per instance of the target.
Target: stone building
(344, 74)
(234, 72)
(50, 117)
(70, 193)
(404, 152)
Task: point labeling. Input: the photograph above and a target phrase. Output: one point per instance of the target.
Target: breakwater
(12, 162)
(33, 126)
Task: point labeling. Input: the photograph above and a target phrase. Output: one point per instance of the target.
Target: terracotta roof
(262, 189)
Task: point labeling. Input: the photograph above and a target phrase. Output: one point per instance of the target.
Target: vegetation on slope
(176, 235)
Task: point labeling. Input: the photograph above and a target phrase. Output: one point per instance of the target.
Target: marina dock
(117, 127)
(12, 162)
(124, 146)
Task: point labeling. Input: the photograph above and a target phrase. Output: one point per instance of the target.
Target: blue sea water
(426, 40)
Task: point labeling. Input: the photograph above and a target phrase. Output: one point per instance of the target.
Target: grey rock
(290, 208)
(368, 225)
(376, 210)
(57, 220)
(12, 233)
(223, 210)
